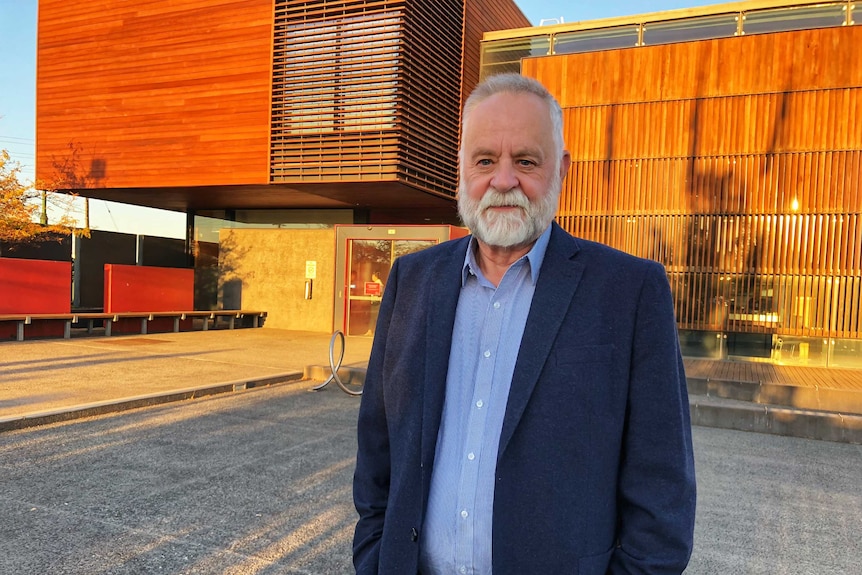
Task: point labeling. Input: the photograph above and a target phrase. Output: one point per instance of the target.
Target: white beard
(514, 227)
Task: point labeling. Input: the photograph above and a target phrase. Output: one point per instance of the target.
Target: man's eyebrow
(529, 153)
(482, 152)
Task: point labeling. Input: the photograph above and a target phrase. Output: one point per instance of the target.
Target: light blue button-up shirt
(489, 324)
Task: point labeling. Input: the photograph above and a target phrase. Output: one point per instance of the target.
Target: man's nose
(505, 178)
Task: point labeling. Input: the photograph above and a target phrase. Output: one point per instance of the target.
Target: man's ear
(565, 164)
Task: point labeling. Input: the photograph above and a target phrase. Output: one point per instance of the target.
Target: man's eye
(484, 162)
(526, 163)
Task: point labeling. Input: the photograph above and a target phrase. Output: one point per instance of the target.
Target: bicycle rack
(335, 366)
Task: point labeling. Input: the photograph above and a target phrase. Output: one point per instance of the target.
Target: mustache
(513, 198)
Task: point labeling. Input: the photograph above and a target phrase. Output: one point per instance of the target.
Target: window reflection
(594, 40)
(793, 18)
(505, 55)
(721, 26)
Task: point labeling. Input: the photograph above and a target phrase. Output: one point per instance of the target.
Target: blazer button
(414, 535)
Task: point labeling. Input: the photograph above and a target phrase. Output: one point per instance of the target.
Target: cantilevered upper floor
(248, 104)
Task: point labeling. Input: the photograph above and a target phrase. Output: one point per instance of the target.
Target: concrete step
(743, 415)
(846, 401)
(778, 409)
(809, 412)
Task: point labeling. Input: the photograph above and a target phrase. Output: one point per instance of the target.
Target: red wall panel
(31, 287)
(144, 288)
(35, 286)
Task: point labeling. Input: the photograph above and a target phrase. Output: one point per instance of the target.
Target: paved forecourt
(51, 379)
(260, 482)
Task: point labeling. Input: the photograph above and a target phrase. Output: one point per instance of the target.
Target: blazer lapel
(557, 283)
(444, 288)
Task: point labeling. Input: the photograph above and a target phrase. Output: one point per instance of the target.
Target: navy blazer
(595, 472)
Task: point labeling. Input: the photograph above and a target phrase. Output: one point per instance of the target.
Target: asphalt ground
(258, 482)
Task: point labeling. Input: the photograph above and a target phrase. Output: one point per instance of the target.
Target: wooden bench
(231, 315)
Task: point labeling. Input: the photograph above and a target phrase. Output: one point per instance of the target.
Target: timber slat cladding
(366, 89)
(184, 84)
(737, 163)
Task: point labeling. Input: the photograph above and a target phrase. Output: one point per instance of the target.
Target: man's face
(511, 170)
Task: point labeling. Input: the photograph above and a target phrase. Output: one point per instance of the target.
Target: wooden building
(266, 114)
(257, 111)
(726, 143)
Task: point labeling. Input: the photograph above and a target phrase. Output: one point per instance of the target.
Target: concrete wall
(265, 270)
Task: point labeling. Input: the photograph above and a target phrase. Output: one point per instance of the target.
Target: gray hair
(517, 84)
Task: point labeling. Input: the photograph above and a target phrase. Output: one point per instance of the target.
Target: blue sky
(18, 93)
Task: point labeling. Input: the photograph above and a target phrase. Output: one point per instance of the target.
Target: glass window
(493, 69)
(695, 343)
(595, 40)
(500, 51)
(720, 26)
(749, 345)
(846, 353)
(793, 18)
(505, 55)
(790, 350)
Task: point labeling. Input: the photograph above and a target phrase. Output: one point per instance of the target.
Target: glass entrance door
(369, 262)
(363, 258)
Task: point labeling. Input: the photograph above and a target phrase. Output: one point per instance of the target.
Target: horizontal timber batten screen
(365, 91)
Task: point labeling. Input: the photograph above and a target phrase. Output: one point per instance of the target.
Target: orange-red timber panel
(154, 93)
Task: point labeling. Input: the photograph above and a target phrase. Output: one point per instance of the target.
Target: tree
(20, 206)
(68, 175)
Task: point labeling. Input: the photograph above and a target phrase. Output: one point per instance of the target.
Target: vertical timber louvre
(744, 180)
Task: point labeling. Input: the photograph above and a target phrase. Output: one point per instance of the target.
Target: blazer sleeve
(371, 476)
(656, 489)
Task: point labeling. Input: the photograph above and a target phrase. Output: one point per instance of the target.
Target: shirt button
(471, 456)
(496, 305)
(487, 353)
(480, 403)
(464, 514)
(462, 569)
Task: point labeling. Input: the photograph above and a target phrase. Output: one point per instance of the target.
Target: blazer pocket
(584, 354)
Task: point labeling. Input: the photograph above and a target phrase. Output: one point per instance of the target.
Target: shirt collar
(535, 257)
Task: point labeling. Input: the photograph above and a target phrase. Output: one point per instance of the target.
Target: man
(525, 408)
